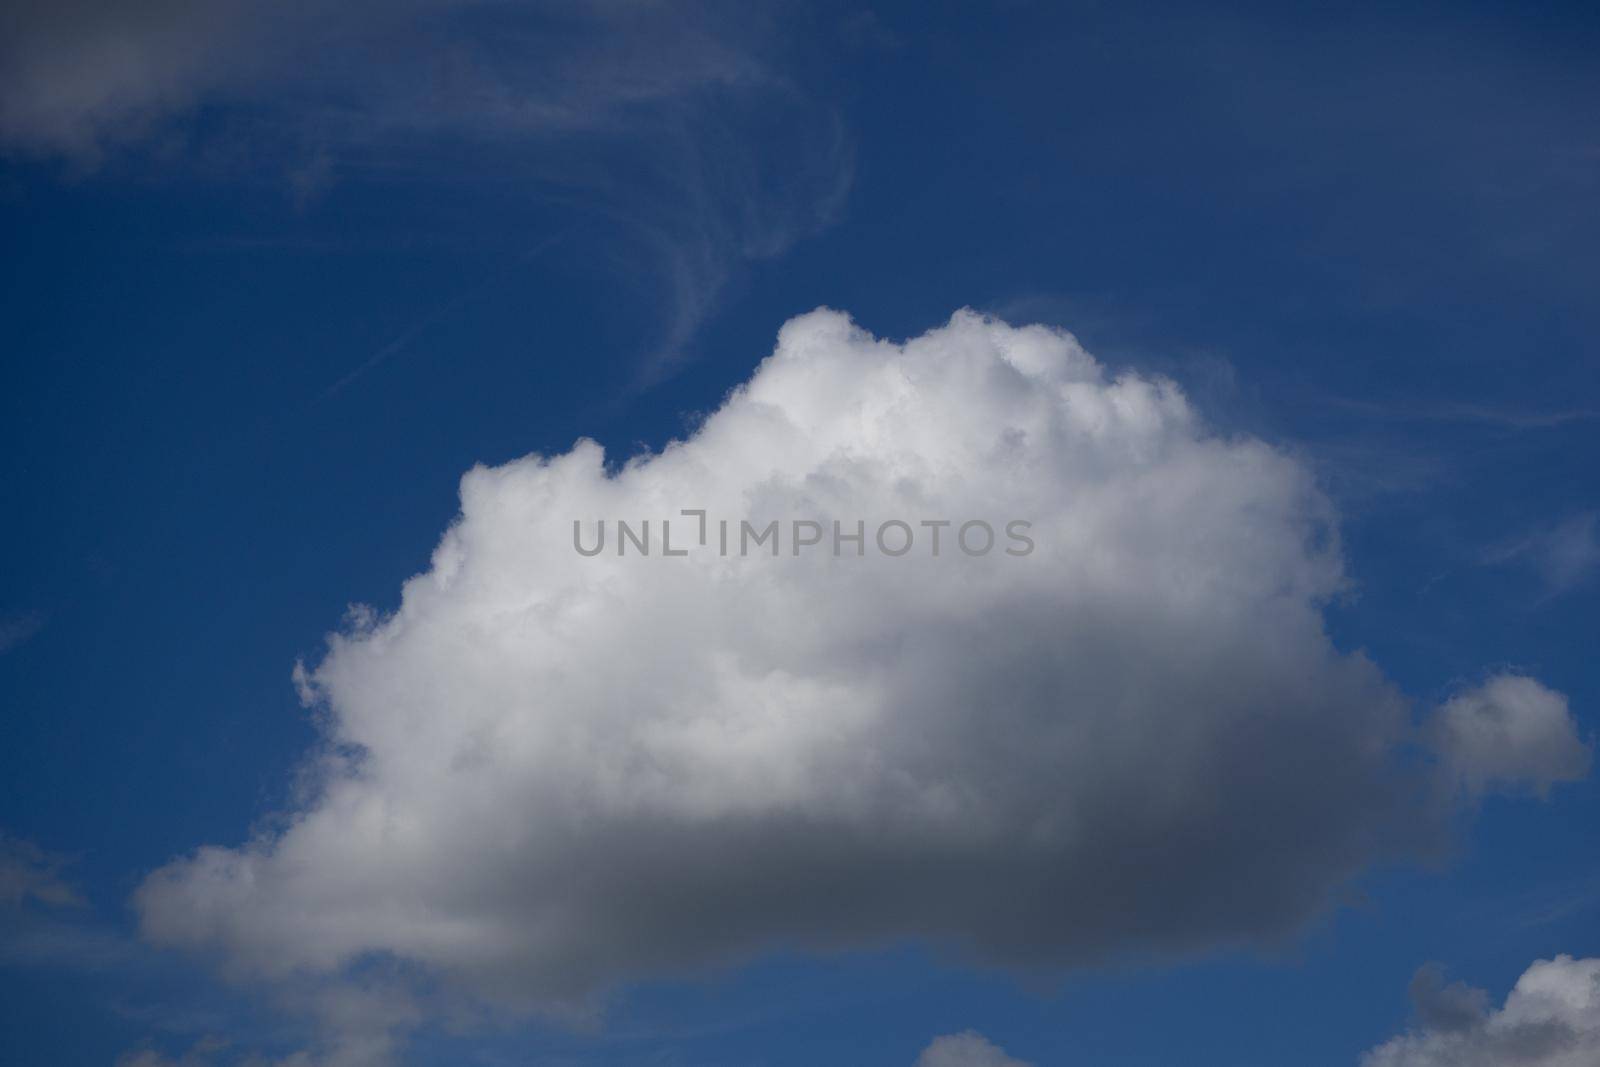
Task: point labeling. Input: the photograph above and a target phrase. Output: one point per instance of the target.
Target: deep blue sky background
(1369, 234)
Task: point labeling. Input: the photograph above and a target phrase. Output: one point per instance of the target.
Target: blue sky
(275, 284)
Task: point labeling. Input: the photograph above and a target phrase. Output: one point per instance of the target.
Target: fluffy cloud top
(966, 1049)
(548, 773)
(1551, 1019)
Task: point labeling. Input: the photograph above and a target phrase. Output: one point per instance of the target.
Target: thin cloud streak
(1465, 412)
(404, 339)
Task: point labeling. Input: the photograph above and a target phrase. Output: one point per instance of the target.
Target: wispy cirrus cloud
(1565, 555)
(677, 129)
(89, 76)
(29, 873)
(1463, 411)
(19, 627)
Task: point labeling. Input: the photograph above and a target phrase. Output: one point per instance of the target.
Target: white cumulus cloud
(966, 1049)
(548, 773)
(1550, 1019)
(1510, 730)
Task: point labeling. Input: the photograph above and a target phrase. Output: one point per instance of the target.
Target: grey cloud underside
(571, 773)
